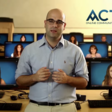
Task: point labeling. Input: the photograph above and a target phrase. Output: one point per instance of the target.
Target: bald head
(56, 13)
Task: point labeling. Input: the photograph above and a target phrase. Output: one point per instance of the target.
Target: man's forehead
(55, 18)
(56, 15)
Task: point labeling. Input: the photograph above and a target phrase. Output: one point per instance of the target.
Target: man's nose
(55, 24)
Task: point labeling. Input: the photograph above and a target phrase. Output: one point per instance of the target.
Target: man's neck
(52, 42)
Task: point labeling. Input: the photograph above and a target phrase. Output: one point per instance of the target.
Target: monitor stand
(108, 95)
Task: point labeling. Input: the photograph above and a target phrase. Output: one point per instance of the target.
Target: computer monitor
(101, 49)
(11, 48)
(8, 67)
(3, 39)
(23, 37)
(39, 36)
(102, 38)
(79, 36)
(100, 75)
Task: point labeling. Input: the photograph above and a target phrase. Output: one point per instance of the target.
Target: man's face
(103, 39)
(53, 29)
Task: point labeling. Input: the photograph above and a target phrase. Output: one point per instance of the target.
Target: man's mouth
(53, 31)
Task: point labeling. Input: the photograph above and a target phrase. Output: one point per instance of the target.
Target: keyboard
(78, 106)
(10, 106)
(100, 103)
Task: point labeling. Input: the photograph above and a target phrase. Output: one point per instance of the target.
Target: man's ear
(44, 23)
(64, 26)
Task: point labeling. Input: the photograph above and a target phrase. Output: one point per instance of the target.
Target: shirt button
(49, 95)
(51, 61)
(49, 84)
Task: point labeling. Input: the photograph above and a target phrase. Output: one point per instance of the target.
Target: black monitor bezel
(22, 34)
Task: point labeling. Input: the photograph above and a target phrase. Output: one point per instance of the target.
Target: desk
(7, 99)
(90, 94)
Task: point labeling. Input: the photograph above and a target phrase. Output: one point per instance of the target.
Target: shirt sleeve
(81, 69)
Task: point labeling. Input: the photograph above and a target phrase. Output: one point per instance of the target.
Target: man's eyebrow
(55, 20)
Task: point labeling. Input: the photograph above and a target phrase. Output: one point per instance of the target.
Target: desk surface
(6, 98)
(90, 95)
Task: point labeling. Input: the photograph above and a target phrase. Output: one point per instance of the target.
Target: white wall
(29, 15)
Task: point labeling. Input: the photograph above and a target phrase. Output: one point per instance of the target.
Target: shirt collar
(43, 41)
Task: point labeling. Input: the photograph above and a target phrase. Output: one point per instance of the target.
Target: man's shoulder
(70, 44)
(32, 45)
(31, 48)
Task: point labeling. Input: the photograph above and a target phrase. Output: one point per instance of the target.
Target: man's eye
(59, 22)
(51, 20)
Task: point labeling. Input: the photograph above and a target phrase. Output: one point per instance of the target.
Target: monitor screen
(102, 38)
(39, 36)
(3, 38)
(100, 73)
(8, 67)
(14, 49)
(94, 49)
(79, 36)
(23, 37)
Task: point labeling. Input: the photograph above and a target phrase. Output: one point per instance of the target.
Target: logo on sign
(94, 18)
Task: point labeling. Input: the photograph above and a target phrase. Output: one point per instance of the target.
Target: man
(103, 38)
(53, 68)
